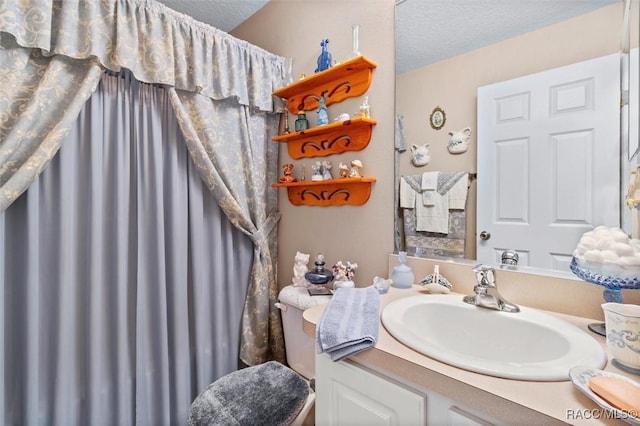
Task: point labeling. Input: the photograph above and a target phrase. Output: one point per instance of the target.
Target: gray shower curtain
(52, 54)
(124, 282)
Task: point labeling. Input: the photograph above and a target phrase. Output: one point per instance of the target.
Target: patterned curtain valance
(156, 43)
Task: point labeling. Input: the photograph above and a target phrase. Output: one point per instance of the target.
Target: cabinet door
(349, 395)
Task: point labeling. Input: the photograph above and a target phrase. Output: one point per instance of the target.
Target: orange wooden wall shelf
(346, 80)
(334, 138)
(334, 192)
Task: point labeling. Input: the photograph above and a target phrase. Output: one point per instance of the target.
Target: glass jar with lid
(301, 122)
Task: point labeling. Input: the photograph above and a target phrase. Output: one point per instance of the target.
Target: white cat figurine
(420, 155)
(299, 269)
(459, 141)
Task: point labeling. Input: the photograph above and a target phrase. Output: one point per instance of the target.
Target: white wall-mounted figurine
(459, 141)
(420, 155)
(299, 269)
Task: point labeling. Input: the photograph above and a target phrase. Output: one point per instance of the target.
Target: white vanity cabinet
(347, 394)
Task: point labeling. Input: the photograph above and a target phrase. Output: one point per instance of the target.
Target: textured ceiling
(427, 31)
(225, 15)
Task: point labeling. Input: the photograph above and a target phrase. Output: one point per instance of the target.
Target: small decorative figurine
(459, 141)
(299, 269)
(324, 60)
(365, 111)
(343, 274)
(356, 165)
(420, 155)
(342, 117)
(343, 170)
(287, 170)
(326, 170)
(381, 284)
(301, 122)
(436, 283)
(323, 117)
(317, 171)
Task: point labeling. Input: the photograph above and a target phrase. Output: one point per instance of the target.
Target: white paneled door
(548, 161)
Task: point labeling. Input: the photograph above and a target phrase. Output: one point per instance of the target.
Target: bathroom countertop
(511, 401)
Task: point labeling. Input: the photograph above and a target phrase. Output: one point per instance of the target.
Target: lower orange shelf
(333, 192)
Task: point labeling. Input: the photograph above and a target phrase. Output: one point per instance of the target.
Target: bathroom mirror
(446, 50)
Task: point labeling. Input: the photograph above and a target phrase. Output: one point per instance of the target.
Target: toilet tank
(300, 348)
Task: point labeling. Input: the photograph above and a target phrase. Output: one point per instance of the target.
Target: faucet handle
(485, 275)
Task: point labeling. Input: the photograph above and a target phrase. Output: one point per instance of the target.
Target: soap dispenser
(402, 275)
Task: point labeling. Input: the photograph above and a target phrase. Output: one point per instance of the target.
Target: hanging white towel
(458, 193)
(429, 186)
(407, 195)
(433, 218)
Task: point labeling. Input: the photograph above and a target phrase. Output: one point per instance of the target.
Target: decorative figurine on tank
(324, 60)
(300, 269)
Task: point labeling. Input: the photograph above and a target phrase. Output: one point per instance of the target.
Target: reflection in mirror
(470, 45)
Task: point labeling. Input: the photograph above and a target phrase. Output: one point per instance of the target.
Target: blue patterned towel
(349, 323)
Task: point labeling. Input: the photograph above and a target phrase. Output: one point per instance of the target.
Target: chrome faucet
(510, 258)
(486, 292)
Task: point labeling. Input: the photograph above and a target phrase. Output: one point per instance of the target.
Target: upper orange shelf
(346, 80)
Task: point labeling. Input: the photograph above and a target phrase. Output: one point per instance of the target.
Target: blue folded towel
(350, 323)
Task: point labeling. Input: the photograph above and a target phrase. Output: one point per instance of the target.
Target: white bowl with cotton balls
(609, 251)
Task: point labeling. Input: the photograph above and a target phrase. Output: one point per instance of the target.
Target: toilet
(300, 348)
(257, 394)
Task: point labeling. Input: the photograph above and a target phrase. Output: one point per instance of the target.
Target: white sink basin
(528, 345)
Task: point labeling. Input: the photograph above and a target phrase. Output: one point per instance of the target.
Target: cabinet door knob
(484, 235)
